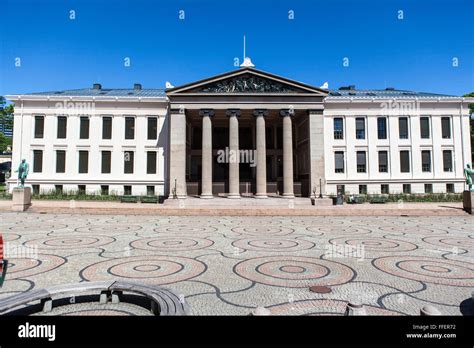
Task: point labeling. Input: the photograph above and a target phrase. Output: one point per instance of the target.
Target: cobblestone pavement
(230, 265)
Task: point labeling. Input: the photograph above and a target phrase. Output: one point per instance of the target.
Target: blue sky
(414, 53)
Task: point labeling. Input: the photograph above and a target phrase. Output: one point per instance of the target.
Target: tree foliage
(6, 122)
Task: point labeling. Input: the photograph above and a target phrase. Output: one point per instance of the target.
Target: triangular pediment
(246, 81)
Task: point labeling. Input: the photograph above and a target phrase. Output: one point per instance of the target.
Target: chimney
(96, 86)
(137, 87)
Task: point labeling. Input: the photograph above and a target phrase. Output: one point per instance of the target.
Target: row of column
(234, 182)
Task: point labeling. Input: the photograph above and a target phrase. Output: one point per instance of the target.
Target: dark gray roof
(106, 92)
(386, 93)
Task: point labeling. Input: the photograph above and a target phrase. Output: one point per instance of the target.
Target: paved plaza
(230, 265)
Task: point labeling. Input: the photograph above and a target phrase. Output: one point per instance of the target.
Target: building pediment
(246, 81)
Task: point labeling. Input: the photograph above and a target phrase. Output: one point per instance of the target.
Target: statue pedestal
(468, 201)
(21, 198)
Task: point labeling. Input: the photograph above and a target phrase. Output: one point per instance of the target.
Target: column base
(206, 196)
(288, 195)
(233, 196)
(260, 195)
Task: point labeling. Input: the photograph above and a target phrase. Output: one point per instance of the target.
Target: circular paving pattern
(36, 227)
(108, 228)
(187, 229)
(293, 271)
(375, 244)
(171, 243)
(10, 237)
(273, 244)
(408, 230)
(153, 269)
(428, 269)
(263, 230)
(69, 242)
(26, 267)
(450, 241)
(338, 229)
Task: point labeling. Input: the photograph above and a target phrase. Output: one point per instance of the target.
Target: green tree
(6, 122)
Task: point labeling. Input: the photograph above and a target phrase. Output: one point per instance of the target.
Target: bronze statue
(22, 172)
(468, 172)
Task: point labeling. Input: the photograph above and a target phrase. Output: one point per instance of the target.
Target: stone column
(177, 153)
(287, 153)
(261, 154)
(234, 156)
(206, 175)
(316, 149)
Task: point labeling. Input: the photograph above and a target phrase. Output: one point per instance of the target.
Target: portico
(245, 133)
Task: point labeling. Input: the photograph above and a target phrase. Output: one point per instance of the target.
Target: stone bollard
(260, 311)
(429, 310)
(21, 200)
(355, 308)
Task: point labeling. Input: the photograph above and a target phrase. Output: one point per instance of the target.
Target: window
(128, 162)
(339, 162)
(446, 127)
(127, 190)
(361, 162)
(60, 161)
(106, 162)
(338, 128)
(382, 127)
(383, 161)
(341, 189)
(152, 128)
(425, 127)
(362, 189)
(360, 128)
(403, 127)
(150, 190)
(81, 189)
(449, 188)
(129, 127)
(36, 189)
(447, 160)
(39, 127)
(84, 128)
(104, 190)
(58, 189)
(407, 188)
(151, 162)
(384, 189)
(37, 161)
(404, 161)
(426, 161)
(83, 162)
(107, 127)
(62, 127)
(428, 188)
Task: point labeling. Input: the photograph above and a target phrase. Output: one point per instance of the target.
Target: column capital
(233, 112)
(287, 112)
(206, 112)
(260, 112)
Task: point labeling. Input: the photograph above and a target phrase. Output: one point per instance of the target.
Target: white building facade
(306, 139)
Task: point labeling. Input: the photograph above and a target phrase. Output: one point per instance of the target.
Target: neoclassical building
(242, 133)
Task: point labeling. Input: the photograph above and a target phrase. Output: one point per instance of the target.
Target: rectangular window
(84, 128)
(446, 127)
(362, 189)
(106, 162)
(58, 189)
(361, 162)
(447, 160)
(62, 127)
(127, 190)
(339, 162)
(60, 161)
(129, 127)
(83, 162)
(383, 161)
(36, 189)
(449, 188)
(384, 189)
(150, 190)
(405, 161)
(407, 188)
(428, 188)
(360, 128)
(382, 127)
(425, 127)
(151, 162)
(403, 127)
(39, 127)
(128, 162)
(152, 128)
(81, 189)
(107, 127)
(37, 161)
(338, 128)
(104, 190)
(426, 161)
